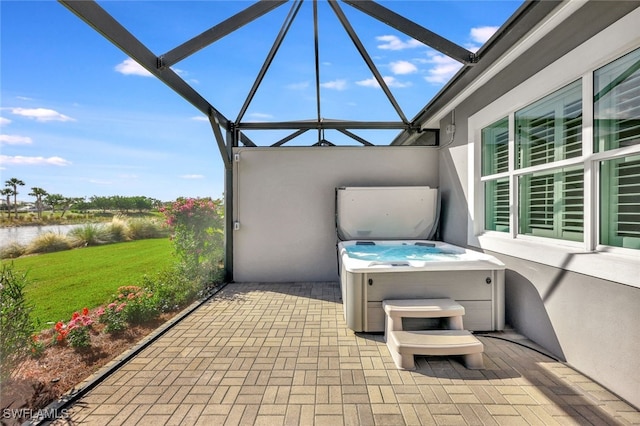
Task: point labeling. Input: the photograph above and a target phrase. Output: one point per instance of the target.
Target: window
(495, 148)
(620, 202)
(497, 205)
(617, 103)
(551, 204)
(617, 126)
(554, 161)
(550, 197)
(550, 163)
(550, 129)
(495, 159)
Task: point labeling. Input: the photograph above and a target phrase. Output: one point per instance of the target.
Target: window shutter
(541, 138)
(550, 129)
(572, 215)
(497, 205)
(538, 204)
(628, 183)
(620, 202)
(572, 129)
(617, 103)
(617, 125)
(495, 148)
(628, 128)
(552, 204)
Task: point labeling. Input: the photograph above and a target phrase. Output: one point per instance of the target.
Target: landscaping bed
(60, 368)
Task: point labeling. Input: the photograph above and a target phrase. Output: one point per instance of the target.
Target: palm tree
(38, 193)
(7, 192)
(13, 184)
(54, 201)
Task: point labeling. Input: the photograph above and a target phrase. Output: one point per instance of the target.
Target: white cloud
(131, 67)
(298, 86)
(370, 82)
(403, 67)
(4, 121)
(19, 160)
(390, 80)
(192, 176)
(200, 118)
(482, 34)
(259, 116)
(15, 140)
(41, 114)
(100, 181)
(445, 67)
(335, 84)
(391, 42)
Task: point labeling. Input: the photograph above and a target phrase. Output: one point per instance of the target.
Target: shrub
(112, 317)
(171, 289)
(12, 250)
(48, 242)
(140, 229)
(118, 229)
(16, 327)
(88, 235)
(197, 226)
(78, 327)
(140, 305)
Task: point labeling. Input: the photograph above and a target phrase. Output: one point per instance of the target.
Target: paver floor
(281, 354)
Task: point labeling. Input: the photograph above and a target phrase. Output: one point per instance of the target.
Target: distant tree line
(59, 203)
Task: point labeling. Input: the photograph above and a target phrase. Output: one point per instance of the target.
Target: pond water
(24, 234)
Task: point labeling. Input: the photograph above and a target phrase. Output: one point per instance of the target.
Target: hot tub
(375, 267)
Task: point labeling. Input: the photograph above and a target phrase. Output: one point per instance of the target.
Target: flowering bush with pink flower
(138, 304)
(112, 317)
(197, 225)
(76, 331)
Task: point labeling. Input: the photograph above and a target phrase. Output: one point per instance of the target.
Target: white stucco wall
(579, 304)
(284, 202)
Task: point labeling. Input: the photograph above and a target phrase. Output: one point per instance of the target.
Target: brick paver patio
(280, 354)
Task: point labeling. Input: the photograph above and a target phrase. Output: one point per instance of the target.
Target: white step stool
(422, 308)
(403, 345)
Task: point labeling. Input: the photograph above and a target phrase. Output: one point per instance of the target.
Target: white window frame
(586, 257)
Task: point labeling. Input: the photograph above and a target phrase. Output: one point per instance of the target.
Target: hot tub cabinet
(372, 223)
(474, 280)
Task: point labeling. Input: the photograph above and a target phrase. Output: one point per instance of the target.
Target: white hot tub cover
(385, 213)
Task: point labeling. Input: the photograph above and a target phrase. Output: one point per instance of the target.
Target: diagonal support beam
(290, 137)
(414, 30)
(217, 32)
(112, 30)
(217, 133)
(355, 137)
(363, 52)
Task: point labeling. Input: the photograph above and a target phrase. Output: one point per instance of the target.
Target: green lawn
(67, 281)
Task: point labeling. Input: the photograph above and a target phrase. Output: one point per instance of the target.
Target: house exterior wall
(579, 305)
(284, 203)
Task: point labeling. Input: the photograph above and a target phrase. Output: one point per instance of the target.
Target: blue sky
(79, 118)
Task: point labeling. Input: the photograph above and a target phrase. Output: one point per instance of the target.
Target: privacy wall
(284, 203)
